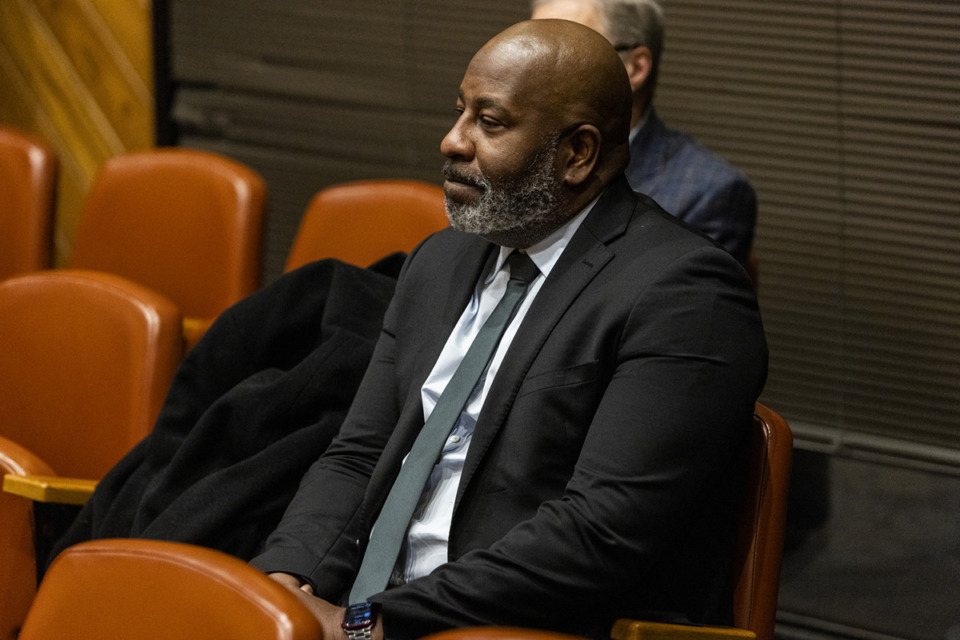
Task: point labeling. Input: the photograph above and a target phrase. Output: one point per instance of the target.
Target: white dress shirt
(425, 547)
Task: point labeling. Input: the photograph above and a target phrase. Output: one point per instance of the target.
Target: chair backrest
(762, 525)
(28, 177)
(18, 567)
(156, 590)
(184, 222)
(361, 222)
(86, 359)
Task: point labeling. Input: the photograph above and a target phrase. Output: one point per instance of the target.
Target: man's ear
(583, 149)
(639, 62)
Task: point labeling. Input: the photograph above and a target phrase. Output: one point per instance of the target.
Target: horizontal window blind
(315, 92)
(846, 117)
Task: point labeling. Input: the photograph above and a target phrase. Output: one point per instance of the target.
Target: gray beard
(515, 212)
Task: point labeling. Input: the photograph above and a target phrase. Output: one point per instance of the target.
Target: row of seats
(156, 590)
(89, 351)
(167, 240)
(189, 224)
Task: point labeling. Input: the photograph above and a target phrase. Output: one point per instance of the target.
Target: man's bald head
(570, 73)
(543, 129)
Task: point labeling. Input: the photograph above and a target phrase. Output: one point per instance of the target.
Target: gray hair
(631, 23)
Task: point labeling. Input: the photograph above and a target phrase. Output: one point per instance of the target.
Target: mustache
(457, 173)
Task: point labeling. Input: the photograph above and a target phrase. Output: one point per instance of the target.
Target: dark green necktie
(391, 526)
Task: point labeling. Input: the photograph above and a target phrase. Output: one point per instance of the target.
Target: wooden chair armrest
(50, 489)
(625, 629)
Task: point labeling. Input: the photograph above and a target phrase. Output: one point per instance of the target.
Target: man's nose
(455, 144)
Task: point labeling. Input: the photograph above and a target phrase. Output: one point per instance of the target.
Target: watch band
(366, 633)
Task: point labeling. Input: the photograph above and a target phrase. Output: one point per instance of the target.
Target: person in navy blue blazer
(682, 175)
(597, 469)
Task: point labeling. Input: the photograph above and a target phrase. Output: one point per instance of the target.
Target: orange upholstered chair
(86, 359)
(361, 222)
(763, 524)
(28, 177)
(17, 551)
(756, 562)
(153, 590)
(186, 223)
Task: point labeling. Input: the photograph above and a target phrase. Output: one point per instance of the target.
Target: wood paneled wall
(78, 73)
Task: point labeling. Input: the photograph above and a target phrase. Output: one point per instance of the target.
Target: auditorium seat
(184, 222)
(361, 222)
(86, 359)
(28, 176)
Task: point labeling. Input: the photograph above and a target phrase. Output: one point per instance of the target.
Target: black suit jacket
(605, 469)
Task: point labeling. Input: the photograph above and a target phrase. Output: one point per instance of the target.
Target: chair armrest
(625, 629)
(20, 460)
(52, 489)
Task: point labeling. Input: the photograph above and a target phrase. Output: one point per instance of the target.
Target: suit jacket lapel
(586, 255)
(450, 292)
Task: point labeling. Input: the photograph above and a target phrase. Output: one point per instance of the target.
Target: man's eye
(490, 123)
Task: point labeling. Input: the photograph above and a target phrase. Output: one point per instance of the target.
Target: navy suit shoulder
(694, 184)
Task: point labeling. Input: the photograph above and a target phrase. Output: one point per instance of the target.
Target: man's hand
(291, 582)
(329, 615)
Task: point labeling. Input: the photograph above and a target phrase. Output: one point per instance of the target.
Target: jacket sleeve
(317, 537)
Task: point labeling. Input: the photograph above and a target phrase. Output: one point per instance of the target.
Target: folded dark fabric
(251, 407)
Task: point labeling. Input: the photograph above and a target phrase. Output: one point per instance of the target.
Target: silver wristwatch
(359, 620)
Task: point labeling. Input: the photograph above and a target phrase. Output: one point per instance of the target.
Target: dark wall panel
(313, 93)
